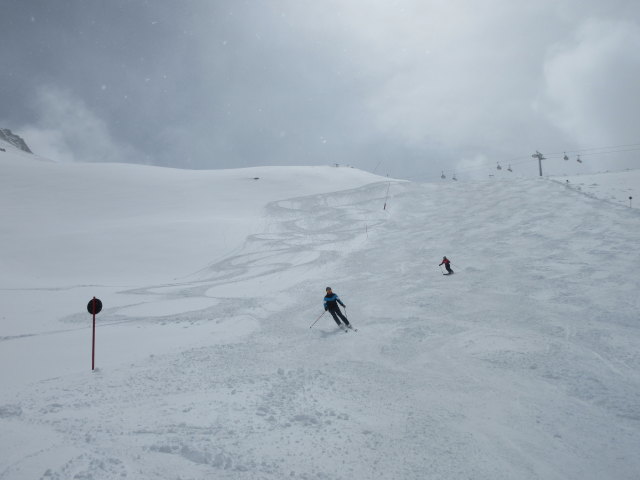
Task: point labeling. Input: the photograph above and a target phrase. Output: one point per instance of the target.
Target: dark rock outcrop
(10, 137)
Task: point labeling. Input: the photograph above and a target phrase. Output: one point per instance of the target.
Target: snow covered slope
(523, 364)
(104, 223)
(614, 187)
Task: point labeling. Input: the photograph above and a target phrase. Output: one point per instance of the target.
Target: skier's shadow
(331, 333)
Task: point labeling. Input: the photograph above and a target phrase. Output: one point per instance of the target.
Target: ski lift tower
(540, 157)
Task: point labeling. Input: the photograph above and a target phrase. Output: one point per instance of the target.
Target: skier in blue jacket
(331, 301)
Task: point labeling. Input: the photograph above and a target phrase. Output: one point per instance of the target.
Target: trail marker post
(94, 307)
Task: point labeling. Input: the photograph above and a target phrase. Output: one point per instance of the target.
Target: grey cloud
(593, 83)
(413, 87)
(66, 130)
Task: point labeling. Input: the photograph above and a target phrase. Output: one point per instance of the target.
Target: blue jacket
(331, 302)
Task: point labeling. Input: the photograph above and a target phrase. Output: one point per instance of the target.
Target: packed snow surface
(523, 364)
(615, 187)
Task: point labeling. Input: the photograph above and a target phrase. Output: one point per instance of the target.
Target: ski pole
(317, 319)
(441, 271)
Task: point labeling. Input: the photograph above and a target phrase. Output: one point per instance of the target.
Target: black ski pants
(337, 313)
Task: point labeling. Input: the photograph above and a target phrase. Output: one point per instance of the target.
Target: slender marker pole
(387, 195)
(93, 342)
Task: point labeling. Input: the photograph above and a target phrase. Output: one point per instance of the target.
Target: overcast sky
(409, 88)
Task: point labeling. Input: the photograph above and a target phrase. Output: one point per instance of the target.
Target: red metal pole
(93, 342)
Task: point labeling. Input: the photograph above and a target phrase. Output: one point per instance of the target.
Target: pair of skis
(346, 328)
(341, 326)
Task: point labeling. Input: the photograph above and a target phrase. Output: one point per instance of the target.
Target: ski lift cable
(554, 156)
(526, 159)
(607, 153)
(597, 148)
(617, 149)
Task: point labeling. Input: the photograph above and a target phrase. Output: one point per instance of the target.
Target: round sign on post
(94, 307)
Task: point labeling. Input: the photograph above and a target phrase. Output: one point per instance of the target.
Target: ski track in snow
(524, 364)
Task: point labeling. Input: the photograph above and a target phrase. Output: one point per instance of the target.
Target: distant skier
(331, 301)
(447, 265)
